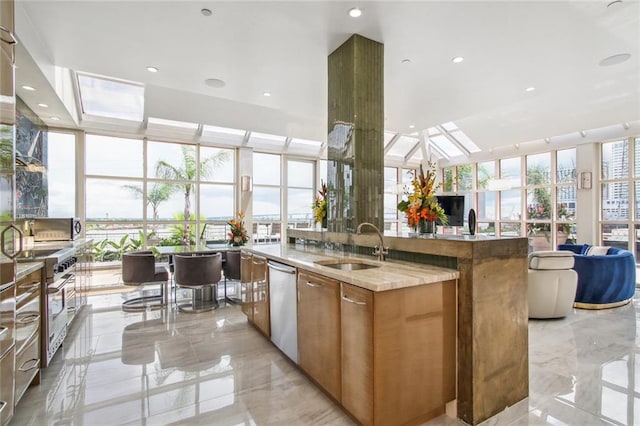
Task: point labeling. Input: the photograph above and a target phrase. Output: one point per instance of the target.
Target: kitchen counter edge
(389, 275)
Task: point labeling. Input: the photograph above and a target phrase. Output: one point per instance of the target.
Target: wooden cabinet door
(260, 294)
(319, 330)
(357, 352)
(246, 286)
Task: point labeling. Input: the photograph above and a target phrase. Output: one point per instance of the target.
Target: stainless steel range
(59, 267)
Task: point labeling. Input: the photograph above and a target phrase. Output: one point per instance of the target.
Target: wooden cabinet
(260, 283)
(357, 350)
(254, 291)
(398, 352)
(319, 330)
(246, 287)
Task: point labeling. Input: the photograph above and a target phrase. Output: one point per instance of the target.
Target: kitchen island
(380, 339)
(492, 313)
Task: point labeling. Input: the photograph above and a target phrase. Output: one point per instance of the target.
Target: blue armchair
(604, 281)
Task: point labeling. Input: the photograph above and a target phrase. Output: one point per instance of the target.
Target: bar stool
(138, 269)
(200, 273)
(232, 272)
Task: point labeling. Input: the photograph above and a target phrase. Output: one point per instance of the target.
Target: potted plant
(237, 235)
(421, 206)
(319, 205)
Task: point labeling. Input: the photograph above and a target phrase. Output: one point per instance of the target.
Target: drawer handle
(32, 285)
(35, 361)
(310, 284)
(346, 299)
(28, 319)
(4, 404)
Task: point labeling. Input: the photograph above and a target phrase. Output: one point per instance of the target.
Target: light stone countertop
(25, 268)
(392, 274)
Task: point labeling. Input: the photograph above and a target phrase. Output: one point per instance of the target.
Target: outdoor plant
(186, 172)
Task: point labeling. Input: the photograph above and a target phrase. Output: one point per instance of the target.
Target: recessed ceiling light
(530, 89)
(267, 94)
(457, 59)
(43, 105)
(355, 12)
(152, 69)
(54, 118)
(615, 59)
(29, 88)
(215, 82)
(583, 133)
(406, 61)
(411, 126)
(547, 140)
(206, 12)
(626, 126)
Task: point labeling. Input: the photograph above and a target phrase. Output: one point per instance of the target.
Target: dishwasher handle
(282, 268)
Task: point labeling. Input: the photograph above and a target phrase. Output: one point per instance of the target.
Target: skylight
(223, 130)
(266, 141)
(172, 123)
(446, 146)
(111, 98)
(449, 140)
(304, 146)
(388, 136)
(402, 146)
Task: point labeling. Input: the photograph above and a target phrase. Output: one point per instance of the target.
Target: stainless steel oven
(57, 313)
(58, 303)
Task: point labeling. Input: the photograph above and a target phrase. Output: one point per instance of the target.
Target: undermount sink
(346, 265)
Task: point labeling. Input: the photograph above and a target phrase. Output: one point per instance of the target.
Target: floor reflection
(163, 367)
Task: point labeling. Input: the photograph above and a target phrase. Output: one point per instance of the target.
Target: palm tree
(187, 172)
(158, 193)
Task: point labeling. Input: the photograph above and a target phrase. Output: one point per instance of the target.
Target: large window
(300, 193)
(266, 195)
(167, 194)
(619, 190)
(391, 199)
(61, 174)
(543, 209)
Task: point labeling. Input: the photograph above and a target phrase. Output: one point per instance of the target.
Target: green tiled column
(355, 141)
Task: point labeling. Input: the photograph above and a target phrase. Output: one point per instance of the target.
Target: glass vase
(427, 228)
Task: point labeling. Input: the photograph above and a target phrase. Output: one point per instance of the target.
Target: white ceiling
(282, 47)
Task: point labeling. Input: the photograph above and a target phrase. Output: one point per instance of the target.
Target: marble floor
(169, 368)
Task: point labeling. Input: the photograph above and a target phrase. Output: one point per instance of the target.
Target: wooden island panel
(492, 331)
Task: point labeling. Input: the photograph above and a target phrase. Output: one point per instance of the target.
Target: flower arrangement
(422, 203)
(237, 232)
(320, 203)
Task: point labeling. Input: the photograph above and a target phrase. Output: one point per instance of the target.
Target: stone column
(356, 124)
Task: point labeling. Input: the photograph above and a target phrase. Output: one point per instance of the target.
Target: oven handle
(3, 248)
(35, 361)
(28, 319)
(57, 286)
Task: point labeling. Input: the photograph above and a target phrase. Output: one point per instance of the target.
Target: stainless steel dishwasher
(283, 306)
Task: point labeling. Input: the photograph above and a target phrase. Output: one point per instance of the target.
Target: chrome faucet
(379, 251)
